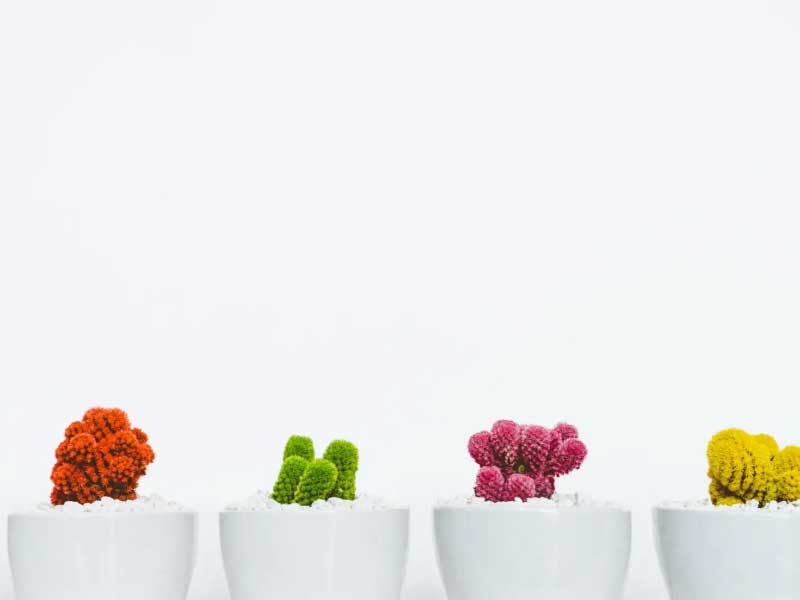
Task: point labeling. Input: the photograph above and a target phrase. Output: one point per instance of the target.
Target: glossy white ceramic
(511, 553)
(102, 556)
(728, 555)
(315, 555)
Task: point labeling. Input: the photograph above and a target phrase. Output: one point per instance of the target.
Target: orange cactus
(100, 456)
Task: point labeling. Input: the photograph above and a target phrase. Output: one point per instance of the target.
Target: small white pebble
(751, 506)
(153, 503)
(557, 501)
(322, 505)
(72, 507)
(261, 501)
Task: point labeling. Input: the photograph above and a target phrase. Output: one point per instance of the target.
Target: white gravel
(261, 501)
(557, 501)
(750, 507)
(150, 504)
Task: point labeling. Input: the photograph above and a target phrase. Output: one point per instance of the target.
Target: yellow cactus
(744, 467)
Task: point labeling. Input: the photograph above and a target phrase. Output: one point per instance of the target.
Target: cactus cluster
(101, 455)
(304, 479)
(523, 461)
(744, 467)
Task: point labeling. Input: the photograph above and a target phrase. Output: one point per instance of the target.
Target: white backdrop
(395, 223)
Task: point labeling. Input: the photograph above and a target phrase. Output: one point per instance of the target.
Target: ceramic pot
(719, 554)
(310, 555)
(519, 553)
(97, 556)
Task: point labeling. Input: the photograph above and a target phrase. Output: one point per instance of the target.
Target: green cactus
(286, 485)
(298, 445)
(344, 455)
(316, 483)
(303, 479)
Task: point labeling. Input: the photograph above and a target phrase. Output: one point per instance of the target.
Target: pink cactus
(523, 461)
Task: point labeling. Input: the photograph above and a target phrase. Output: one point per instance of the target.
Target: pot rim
(102, 515)
(307, 511)
(729, 513)
(513, 507)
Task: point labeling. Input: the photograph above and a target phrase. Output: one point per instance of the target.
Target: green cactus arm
(316, 483)
(298, 445)
(288, 479)
(344, 455)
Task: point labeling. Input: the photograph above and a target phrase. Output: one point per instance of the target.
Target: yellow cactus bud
(787, 459)
(769, 442)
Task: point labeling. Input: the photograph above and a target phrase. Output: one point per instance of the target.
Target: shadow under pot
(514, 552)
(85, 556)
(729, 554)
(310, 554)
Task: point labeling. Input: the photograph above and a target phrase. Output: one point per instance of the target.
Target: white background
(395, 223)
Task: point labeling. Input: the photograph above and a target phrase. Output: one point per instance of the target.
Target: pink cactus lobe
(519, 486)
(545, 487)
(490, 484)
(480, 449)
(504, 440)
(566, 431)
(569, 457)
(535, 447)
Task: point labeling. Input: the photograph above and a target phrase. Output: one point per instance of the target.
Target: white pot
(311, 555)
(519, 553)
(728, 554)
(102, 556)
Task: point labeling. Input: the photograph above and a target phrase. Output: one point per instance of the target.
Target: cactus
(316, 483)
(344, 455)
(298, 445)
(523, 461)
(744, 467)
(101, 455)
(286, 485)
(303, 479)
